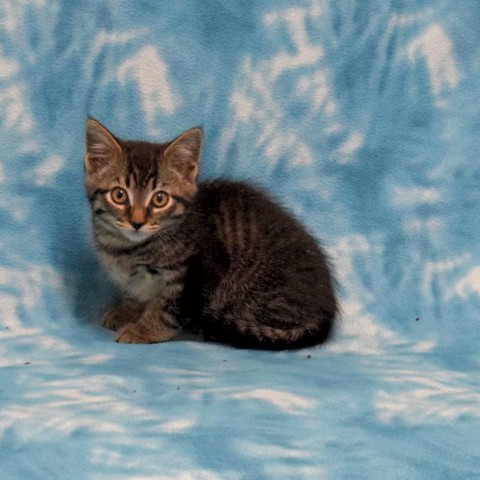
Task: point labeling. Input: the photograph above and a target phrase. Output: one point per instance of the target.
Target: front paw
(131, 333)
(118, 317)
(141, 333)
(113, 320)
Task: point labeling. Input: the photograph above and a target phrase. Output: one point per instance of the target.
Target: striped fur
(221, 257)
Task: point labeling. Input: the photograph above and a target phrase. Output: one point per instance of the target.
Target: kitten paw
(129, 333)
(120, 316)
(114, 321)
(134, 333)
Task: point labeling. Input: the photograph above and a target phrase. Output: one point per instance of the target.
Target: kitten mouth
(136, 235)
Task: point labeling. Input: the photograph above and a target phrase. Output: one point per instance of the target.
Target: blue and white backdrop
(364, 119)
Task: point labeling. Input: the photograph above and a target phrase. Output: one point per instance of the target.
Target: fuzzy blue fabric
(363, 118)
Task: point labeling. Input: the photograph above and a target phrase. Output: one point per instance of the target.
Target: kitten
(219, 257)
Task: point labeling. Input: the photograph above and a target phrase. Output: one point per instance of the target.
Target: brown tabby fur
(221, 257)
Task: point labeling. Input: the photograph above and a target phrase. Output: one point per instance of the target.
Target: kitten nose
(137, 218)
(137, 226)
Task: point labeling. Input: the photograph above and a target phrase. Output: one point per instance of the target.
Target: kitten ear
(101, 147)
(183, 154)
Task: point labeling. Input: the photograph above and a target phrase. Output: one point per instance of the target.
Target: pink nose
(138, 217)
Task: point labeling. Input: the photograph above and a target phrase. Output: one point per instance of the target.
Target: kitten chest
(139, 281)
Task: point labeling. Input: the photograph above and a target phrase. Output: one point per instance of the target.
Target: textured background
(361, 117)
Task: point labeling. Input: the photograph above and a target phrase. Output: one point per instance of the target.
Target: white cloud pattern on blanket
(362, 118)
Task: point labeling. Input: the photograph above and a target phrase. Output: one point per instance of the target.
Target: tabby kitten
(218, 257)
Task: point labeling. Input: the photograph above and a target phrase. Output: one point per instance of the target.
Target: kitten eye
(159, 199)
(119, 196)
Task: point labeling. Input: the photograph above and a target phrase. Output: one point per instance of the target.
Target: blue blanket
(363, 118)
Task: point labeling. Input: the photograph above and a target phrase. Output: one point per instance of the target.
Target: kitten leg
(155, 325)
(127, 311)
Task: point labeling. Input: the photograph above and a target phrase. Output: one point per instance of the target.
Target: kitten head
(137, 189)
